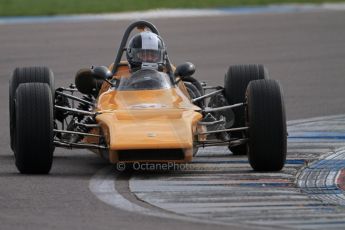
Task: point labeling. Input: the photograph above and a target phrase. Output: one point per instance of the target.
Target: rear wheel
(26, 75)
(236, 81)
(267, 126)
(34, 128)
(196, 83)
(195, 90)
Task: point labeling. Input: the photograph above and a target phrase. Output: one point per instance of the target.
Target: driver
(146, 50)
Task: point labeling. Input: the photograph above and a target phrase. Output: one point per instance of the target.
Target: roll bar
(140, 25)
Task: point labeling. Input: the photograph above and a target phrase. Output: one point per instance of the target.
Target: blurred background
(55, 7)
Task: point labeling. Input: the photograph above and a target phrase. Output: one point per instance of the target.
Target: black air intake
(150, 154)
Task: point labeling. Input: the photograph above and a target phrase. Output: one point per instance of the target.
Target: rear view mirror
(88, 80)
(186, 69)
(101, 72)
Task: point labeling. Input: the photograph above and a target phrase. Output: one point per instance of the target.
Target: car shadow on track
(80, 166)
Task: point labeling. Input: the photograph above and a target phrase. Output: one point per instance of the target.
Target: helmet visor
(146, 55)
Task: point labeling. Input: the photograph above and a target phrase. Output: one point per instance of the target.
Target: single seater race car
(146, 115)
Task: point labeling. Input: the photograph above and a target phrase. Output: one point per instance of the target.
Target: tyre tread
(34, 128)
(267, 126)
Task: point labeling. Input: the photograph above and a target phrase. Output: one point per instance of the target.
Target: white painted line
(333, 6)
(319, 180)
(102, 185)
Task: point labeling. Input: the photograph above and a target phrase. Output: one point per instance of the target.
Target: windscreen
(145, 79)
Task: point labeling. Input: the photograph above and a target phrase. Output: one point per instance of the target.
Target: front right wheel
(33, 148)
(265, 117)
(26, 75)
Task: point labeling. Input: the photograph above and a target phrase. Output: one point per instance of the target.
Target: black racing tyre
(34, 145)
(267, 133)
(26, 75)
(198, 90)
(236, 81)
(194, 93)
(195, 82)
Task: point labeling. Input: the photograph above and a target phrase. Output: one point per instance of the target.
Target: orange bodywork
(160, 119)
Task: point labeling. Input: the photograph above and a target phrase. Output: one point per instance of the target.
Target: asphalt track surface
(305, 52)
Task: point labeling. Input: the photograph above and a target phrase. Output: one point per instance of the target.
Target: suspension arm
(225, 130)
(77, 111)
(207, 95)
(210, 110)
(74, 98)
(78, 145)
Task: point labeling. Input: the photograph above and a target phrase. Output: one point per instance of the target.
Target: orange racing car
(146, 111)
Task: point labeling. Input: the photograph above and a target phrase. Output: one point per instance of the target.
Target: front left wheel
(236, 81)
(265, 117)
(34, 135)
